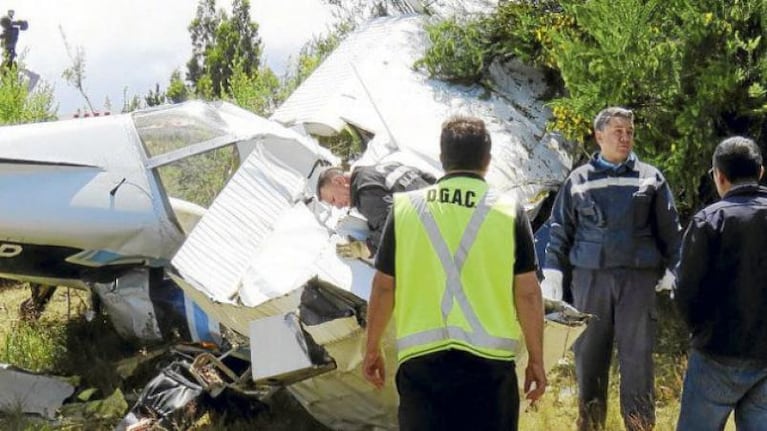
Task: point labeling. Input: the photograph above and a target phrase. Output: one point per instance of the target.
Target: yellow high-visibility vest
(454, 270)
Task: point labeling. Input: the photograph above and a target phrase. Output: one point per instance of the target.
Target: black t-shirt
(524, 261)
(372, 188)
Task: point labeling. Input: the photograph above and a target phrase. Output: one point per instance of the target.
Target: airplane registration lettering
(10, 250)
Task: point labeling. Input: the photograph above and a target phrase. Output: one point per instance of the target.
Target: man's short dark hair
(464, 143)
(739, 159)
(326, 177)
(604, 116)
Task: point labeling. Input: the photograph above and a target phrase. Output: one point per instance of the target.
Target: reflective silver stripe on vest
(611, 181)
(454, 288)
(395, 175)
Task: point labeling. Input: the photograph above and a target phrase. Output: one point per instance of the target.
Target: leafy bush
(19, 105)
(693, 71)
(258, 92)
(458, 52)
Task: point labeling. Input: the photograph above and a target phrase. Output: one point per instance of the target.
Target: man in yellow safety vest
(456, 267)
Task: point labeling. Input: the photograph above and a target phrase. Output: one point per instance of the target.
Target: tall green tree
(218, 43)
(201, 30)
(177, 91)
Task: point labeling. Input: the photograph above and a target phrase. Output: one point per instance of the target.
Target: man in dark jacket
(614, 228)
(370, 190)
(722, 297)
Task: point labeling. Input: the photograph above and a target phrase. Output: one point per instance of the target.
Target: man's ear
(598, 137)
(720, 178)
(761, 172)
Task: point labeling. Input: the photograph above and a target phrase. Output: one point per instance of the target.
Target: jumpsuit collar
(601, 164)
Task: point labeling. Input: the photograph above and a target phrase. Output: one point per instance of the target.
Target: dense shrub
(20, 105)
(457, 51)
(692, 70)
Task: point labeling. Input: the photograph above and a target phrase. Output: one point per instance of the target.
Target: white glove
(553, 306)
(666, 283)
(551, 286)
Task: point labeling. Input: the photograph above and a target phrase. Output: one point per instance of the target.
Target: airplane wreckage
(105, 204)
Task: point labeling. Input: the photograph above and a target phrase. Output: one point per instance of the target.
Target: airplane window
(198, 178)
(171, 129)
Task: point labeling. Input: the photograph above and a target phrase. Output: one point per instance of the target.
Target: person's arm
(380, 309)
(667, 227)
(692, 272)
(562, 230)
(556, 268)
(525, 259)
(529, 307)
(375, 204)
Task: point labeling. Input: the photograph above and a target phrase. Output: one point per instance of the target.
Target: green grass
(558, 409)
(33, 345)
(64, 343)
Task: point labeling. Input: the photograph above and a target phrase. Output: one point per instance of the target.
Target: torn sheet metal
(250, 257)
(370, 82)
(292, 356)
(562, 326)
(143, 304)
(129, 306)
(31, 393)
(258, 232)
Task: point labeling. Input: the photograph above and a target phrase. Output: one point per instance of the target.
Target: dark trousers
(455, 390)
(623, 301)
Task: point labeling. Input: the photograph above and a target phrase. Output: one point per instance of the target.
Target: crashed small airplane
(124, 204)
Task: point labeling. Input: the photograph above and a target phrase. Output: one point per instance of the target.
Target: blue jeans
(714, 387)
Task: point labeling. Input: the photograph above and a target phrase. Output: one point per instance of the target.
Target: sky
(134, 44)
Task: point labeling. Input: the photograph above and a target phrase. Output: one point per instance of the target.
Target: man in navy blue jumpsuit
(614, 229)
